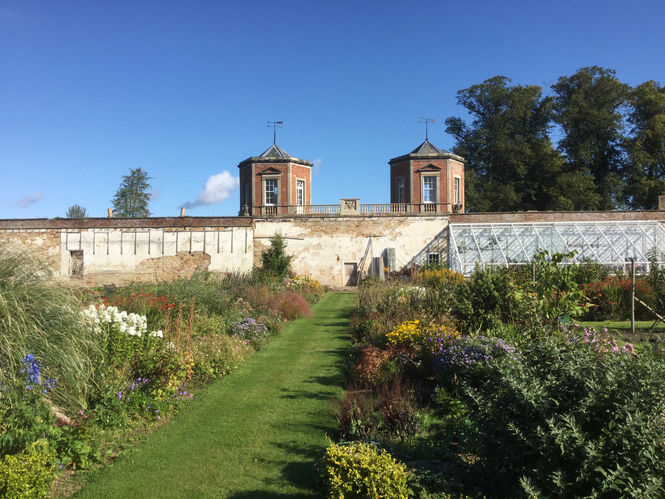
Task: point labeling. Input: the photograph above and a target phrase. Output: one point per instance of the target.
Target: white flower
(157, 334)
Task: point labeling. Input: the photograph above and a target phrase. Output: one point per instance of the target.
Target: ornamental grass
(40, 317)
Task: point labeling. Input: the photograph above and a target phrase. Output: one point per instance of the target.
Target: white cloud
(218, 188)
(316, 166)
(26, 201)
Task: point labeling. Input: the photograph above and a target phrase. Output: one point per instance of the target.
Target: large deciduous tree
(589, 108)
(646, 146)
(132, 197)
(511, 163)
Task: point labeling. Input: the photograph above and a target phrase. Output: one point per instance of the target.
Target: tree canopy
(608, 152)
(76, 211)
(132, 197)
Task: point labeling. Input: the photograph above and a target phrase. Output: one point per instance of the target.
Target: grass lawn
(622, 325)
(255, 433)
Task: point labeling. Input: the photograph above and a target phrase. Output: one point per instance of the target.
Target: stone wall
(93, 252)
(328, 248)
(323, 245)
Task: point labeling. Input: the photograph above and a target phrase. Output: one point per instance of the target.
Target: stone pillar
(390, 259)
(377, 268)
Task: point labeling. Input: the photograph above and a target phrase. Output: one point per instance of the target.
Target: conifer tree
(132, 197)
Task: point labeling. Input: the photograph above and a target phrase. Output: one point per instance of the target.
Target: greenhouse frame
(613, 244)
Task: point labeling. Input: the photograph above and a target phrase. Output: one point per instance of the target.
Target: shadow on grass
(262, 494)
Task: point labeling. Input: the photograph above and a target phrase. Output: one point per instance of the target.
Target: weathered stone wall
(322, 246)
(117, 251)
(43, 243)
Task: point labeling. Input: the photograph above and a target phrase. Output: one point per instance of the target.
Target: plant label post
(632, 296)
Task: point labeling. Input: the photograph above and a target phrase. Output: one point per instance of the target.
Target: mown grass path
(255, 433)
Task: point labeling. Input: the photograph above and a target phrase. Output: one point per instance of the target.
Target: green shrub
(217, 355)
(275, 260)
(484, 300)
(567, 419)
(28, 474)
(361, 470)
(209, 325)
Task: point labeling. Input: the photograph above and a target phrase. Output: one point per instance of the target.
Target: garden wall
(93, 252)
(327, 248)
(97, 251)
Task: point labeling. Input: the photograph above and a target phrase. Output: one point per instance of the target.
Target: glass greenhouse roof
(502, 244)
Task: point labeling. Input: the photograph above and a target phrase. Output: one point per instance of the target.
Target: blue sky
(89, 90)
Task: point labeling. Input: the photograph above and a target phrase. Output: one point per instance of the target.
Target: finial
(275, 125)
(427, 121)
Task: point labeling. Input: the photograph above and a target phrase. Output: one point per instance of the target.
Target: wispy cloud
(218, 188)
(26, 201)
(155, 194)
(316, 166)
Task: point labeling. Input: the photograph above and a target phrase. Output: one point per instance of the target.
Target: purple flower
(120, 395)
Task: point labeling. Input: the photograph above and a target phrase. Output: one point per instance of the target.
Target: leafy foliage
(588, 106)
(132, 197)
(646, 147)
(361, 470)
(511, 163)
(564, 419)
(28, 474)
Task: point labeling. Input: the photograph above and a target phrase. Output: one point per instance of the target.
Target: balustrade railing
(362, 209)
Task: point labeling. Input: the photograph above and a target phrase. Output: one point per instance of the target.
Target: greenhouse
(503, 244)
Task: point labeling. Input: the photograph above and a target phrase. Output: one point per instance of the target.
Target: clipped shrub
(360, 470)
(28, 474)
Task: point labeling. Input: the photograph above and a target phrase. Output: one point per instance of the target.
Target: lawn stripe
(255, 433)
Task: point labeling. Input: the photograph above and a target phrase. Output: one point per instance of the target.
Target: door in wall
(350, 274)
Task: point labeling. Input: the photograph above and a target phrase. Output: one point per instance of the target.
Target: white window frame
(435, 189)
(303, 183)
(401, 189)
(457, 190)
(265, 191)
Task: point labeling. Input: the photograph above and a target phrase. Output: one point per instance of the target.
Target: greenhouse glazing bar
(503, 244)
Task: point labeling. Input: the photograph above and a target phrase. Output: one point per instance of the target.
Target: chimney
(110, 213)
(182, 211)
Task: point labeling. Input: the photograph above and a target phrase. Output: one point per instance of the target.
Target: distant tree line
(609, 151)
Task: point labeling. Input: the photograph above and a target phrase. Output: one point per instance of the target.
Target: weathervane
(427, 121)
(275, 125)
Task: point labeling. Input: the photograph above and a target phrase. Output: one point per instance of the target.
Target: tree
(274, 259)
(132, 197)
(588, 106)
(511, 162)
(646, 146)
(76, 211)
